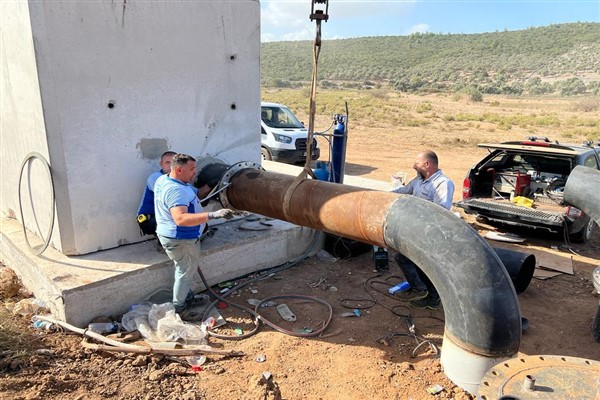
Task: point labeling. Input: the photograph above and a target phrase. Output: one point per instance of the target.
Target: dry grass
(449, 119)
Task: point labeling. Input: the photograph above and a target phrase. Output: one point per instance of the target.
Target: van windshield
(279, 117)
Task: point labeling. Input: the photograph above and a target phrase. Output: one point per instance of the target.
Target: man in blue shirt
(180, 221)
(429, 184)
(145, 215)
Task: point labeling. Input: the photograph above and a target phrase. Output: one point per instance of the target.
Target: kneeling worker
(145, 215)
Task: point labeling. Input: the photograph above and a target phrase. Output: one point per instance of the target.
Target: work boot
(200, 299)
(411, 294)
(426, 303)
(191, 315)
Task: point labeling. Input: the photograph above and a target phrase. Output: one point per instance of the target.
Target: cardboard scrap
(504, 237)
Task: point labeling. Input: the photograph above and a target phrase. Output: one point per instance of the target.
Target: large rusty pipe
(482, 315)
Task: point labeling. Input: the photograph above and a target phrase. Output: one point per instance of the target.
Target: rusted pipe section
(483, 320)
(582, 190)
(342, 210)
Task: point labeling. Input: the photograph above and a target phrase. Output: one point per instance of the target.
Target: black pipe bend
(481, 308)
(582, 190)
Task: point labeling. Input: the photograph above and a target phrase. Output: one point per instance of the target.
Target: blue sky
(289, 19)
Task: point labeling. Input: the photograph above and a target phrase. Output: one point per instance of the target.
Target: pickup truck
(521, 183)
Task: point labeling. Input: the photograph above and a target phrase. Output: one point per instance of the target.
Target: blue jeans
(185, 254)
(417, 278)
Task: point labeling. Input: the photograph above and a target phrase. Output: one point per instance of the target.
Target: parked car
(521, 183)
(283, 136)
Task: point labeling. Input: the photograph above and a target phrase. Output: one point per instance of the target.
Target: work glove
(222, 213)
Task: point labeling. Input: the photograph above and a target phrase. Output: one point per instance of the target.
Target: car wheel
(265, 154)
(585, 233)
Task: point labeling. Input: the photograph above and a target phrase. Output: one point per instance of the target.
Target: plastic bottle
(44, 325)
(399, 287)
(103, 327)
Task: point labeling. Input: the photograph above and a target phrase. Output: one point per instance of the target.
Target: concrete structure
(100, 89)
(79, 288)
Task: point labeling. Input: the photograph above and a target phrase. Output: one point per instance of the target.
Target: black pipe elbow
(581, 190)
(481, 308)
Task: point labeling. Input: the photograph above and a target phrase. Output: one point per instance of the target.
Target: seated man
(429, 184)
(145, 214)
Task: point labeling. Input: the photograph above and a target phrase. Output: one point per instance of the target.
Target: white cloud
(290, 19)
(419, 28)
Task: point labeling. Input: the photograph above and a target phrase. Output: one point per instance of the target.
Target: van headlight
(283, 138)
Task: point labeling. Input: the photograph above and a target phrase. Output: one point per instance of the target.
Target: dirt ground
(368, 356)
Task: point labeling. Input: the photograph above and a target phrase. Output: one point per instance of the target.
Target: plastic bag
(157, 312)
(137, 312)
(172, 329)
(26, 307)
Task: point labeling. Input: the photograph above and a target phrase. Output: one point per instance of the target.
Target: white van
(283, 136)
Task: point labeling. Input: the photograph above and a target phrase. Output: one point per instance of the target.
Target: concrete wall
(119, 83)
(22, 123)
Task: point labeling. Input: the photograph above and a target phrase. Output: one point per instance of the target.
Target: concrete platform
(80, 288)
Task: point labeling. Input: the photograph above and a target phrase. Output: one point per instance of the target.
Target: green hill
(557, 59)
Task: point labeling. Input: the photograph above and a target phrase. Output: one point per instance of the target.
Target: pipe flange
(225, 180)
(541, 377)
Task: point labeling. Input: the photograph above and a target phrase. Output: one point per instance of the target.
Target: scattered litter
(267, 376)
(434, 389)
(317, 284)
(348, 314)
(504, 237)
(222, 305)
(286, 313)
(261, 358)
(239, 331)
(196, 362)
(255, 302)
(43, 325)
(224, 290)
(333, 289)
(218, 319)
(303, 330)
(253, 291)
(44, 352)
(401, 287)
(356, 312)
(29, 306)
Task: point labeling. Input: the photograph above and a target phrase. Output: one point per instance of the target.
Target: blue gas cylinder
(321, 172)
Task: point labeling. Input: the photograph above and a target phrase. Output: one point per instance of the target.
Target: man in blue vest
(429, 184)
(180, 221)
(145, 215)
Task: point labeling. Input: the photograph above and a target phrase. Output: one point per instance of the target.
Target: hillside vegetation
(554, 60)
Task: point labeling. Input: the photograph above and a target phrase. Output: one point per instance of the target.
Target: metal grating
(510, 209)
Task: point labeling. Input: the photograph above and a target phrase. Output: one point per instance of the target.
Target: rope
(311, 128)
